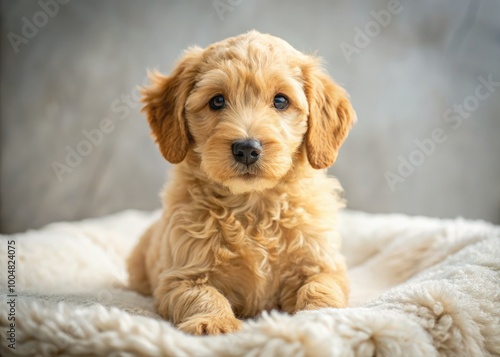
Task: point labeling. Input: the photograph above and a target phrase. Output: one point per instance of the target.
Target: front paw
(209, 325)
(313, 296)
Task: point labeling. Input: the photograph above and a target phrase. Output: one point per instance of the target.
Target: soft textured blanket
(420, 287)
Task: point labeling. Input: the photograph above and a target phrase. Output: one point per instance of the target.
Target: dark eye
(217, 103)
(280, 102)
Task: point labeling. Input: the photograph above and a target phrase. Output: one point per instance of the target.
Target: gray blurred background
(70, 69)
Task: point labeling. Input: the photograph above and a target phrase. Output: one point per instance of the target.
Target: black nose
(247, 151)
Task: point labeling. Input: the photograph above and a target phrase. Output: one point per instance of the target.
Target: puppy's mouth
(248, 176)
(247, 179)
(247, 172)
(244, 165)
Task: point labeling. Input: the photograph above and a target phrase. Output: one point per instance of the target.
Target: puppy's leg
(136, 264)
(195, 306)
(325, 289)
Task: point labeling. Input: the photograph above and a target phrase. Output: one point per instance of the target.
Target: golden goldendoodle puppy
(249, 220)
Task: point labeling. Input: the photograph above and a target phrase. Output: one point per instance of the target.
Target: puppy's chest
(250, 244)
(249, 258)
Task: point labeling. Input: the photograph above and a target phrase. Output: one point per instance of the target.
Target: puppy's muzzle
(247, 151)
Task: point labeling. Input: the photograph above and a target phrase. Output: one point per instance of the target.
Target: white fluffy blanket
(420, 287)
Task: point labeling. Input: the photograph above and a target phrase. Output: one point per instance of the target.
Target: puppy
(249, 220)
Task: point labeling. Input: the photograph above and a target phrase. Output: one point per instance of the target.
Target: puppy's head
(247, 107)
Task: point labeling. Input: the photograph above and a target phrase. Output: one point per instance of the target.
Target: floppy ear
(330, 117)
(164, 106)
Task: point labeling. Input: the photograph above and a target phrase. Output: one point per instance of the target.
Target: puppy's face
(245, 107)
(247, 114)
